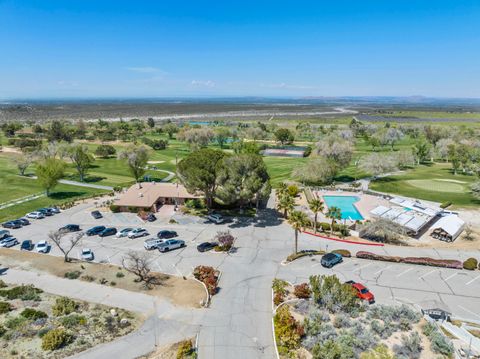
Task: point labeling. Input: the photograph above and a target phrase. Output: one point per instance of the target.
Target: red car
(362, 292)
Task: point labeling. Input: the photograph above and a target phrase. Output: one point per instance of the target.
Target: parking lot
(400, 283)
(112, 249)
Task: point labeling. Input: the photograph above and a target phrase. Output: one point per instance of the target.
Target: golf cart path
(79, 184)
(165, 323)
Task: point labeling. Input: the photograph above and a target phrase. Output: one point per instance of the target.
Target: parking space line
(427, 274)
(468, 311)
(473, 280)
(404, 272)
(362, 267)
(382, 269)
(451, 276)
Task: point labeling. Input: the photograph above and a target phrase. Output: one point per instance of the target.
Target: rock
(113, 312)
(124, 322)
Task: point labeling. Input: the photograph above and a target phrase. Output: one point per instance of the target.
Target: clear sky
(95, 48)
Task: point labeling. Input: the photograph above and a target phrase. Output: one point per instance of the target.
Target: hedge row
(445, 263)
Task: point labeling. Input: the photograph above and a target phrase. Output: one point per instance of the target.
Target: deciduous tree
(48, 172)
(137, 159)
(81, 158)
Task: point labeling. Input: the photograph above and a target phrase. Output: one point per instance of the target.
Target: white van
(152, 243)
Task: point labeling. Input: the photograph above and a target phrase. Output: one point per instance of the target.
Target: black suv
(96, 214)
(27, 245)
(166, 234)
(70, 228)
(46, 211)
(108, 232)
(95, 230)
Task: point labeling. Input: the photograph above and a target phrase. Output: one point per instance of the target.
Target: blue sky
(95, 48)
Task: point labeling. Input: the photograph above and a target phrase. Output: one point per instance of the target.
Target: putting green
(437, 185)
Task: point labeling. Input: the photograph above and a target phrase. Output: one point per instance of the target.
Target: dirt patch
(181, 292)
(10, 150)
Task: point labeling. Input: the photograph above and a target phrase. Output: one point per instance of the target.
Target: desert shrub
(114, 208)
(330, 350)
(3, 284)
(342, 321)
(302, 291)
(470, 264)
(5, 307)
(317, 332)
(16, 322)
(279, 286)
(73, 320)
(88, 278)
(333, 295)
(2, 330)
(278, 298)
(43, 331)
(288, 331)
(389, 313)
(64, 306)
(439, 344)
(343, 252)
(381, 351)
(207, 275)
(32, 314)
(23, 292)
(185, 349)
(72, 275)
(410, 346)
(55, 339)
(119, 275)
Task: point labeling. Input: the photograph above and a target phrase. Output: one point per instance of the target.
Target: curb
(345, 240)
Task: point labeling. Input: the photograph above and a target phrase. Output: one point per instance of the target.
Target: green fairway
(280, 168)
(434, 183)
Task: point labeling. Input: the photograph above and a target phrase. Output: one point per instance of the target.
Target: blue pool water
(346, 205)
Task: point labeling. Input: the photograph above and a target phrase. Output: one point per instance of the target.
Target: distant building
(150, 196)
(412, 215)
(448, 228)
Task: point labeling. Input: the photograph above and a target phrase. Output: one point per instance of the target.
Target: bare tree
(65, 246)
(139, 265)
(23, 162)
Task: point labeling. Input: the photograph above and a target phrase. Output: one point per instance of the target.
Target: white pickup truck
(171, 244)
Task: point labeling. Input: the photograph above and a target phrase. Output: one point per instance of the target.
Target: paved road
(79, 184)
(238, 324)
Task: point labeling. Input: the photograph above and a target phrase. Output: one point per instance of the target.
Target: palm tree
(285, 204)
(334, 213)
(316, 205)
(282, 190)
(297, 220)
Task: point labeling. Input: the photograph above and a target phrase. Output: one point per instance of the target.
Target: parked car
(87, 254)
(206, 246)
(96, 214)
(46, 211)
(35, 215)
(54, 210)
(4, 234)
(151, 217)
(138, 232)
(42, 247)
(27, 245)
(171, 244)
(124, 232)
(24, 221)
(94, 230)
(70, 228)
(108, 232)
(362, 291)
(12, 224)
(152, 243)
(8, 242)
(330, 259)
(165, 234)
(216, 218)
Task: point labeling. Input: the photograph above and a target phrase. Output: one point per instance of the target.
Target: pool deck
(364, 205)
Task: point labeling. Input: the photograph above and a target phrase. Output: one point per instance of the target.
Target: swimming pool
(346, 205)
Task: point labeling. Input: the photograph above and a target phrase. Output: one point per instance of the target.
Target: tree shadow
(65, 195)
(93, 179)
(268, 217)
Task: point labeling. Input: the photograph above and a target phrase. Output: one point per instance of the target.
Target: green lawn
(435, 183)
